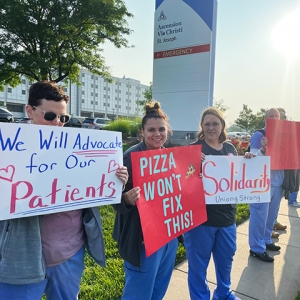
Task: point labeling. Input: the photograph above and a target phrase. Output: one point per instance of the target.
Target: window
(92, 76)
(104, 104)
(82, 75)
(92, 85)
(108, 88)
(9, 90)
(92, 94)
(96, 103)
(92, 102)
(82, 101)
(108, 97)
(23, 81)
(96, 86)
(108, 105)
(128, 85)
(82, 92)
(104, 96)
(104, 88)
(15, 108)
(23, 92)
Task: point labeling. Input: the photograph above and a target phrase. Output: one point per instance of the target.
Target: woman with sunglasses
(45, 254)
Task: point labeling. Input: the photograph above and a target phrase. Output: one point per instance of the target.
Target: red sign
(172, 197)
(182, 51)
(283, 144)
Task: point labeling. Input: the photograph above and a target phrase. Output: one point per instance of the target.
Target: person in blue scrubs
(217, 236)
(263, 215)
(146, 278)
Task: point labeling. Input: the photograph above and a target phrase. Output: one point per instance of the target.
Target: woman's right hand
(132, 196)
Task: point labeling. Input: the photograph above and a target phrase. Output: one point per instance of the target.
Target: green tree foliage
(219, 104)
(51, 40)
(147, 95)
(260, 119)
(246, 119)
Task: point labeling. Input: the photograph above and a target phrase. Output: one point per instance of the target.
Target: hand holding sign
(172, 198)
(132, 196)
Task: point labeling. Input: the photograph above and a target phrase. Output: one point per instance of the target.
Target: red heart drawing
(113, 166)
(9, 173)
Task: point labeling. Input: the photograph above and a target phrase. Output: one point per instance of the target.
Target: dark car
(6, 115)
(24, 120)
(73, 122)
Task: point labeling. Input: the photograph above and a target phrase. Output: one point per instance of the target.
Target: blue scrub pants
(62, 283)
(200, 243)
(262, 217)
(151, 280)
(293, 197)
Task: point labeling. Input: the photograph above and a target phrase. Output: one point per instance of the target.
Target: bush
(135, 127)
(127, 127)
(121, 125)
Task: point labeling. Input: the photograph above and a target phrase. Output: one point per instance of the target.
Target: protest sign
(172, 199)
(235, 179)
(49, 169)
(283, 144)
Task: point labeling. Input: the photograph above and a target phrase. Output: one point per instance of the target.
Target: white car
(238, 135)
(94, 123)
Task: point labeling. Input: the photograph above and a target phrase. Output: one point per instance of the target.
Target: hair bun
(152, 107)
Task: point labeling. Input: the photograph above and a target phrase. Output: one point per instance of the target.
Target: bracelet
(123, 188)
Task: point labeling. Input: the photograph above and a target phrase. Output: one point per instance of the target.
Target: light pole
(113, 113)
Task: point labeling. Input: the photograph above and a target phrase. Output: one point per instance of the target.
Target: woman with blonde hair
(217, 236)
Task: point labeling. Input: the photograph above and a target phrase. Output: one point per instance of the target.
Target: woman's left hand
(122, 174)
(249, 155)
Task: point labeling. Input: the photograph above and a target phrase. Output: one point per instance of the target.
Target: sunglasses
(50, 116)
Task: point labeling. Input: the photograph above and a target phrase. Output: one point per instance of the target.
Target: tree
(147, 95)
(260, 119)
(53, 39)
(219, 104)
(246, 118)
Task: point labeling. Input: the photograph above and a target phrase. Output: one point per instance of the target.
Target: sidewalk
(250, 277)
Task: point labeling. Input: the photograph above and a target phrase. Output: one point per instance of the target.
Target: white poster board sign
(49, 169)
(235, 179)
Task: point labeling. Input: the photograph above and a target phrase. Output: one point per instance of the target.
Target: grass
(107, 283)
(298, 296)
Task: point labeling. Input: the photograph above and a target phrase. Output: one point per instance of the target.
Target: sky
(254, 64)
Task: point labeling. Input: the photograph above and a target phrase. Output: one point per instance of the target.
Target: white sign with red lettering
(49, 169)
(235, 179)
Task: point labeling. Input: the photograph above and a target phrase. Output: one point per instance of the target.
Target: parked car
(73, 122)
(94, 123)
(238, 135)
(24, 120)
(6, 115)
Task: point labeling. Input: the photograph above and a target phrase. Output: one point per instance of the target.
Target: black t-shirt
(219, 215)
